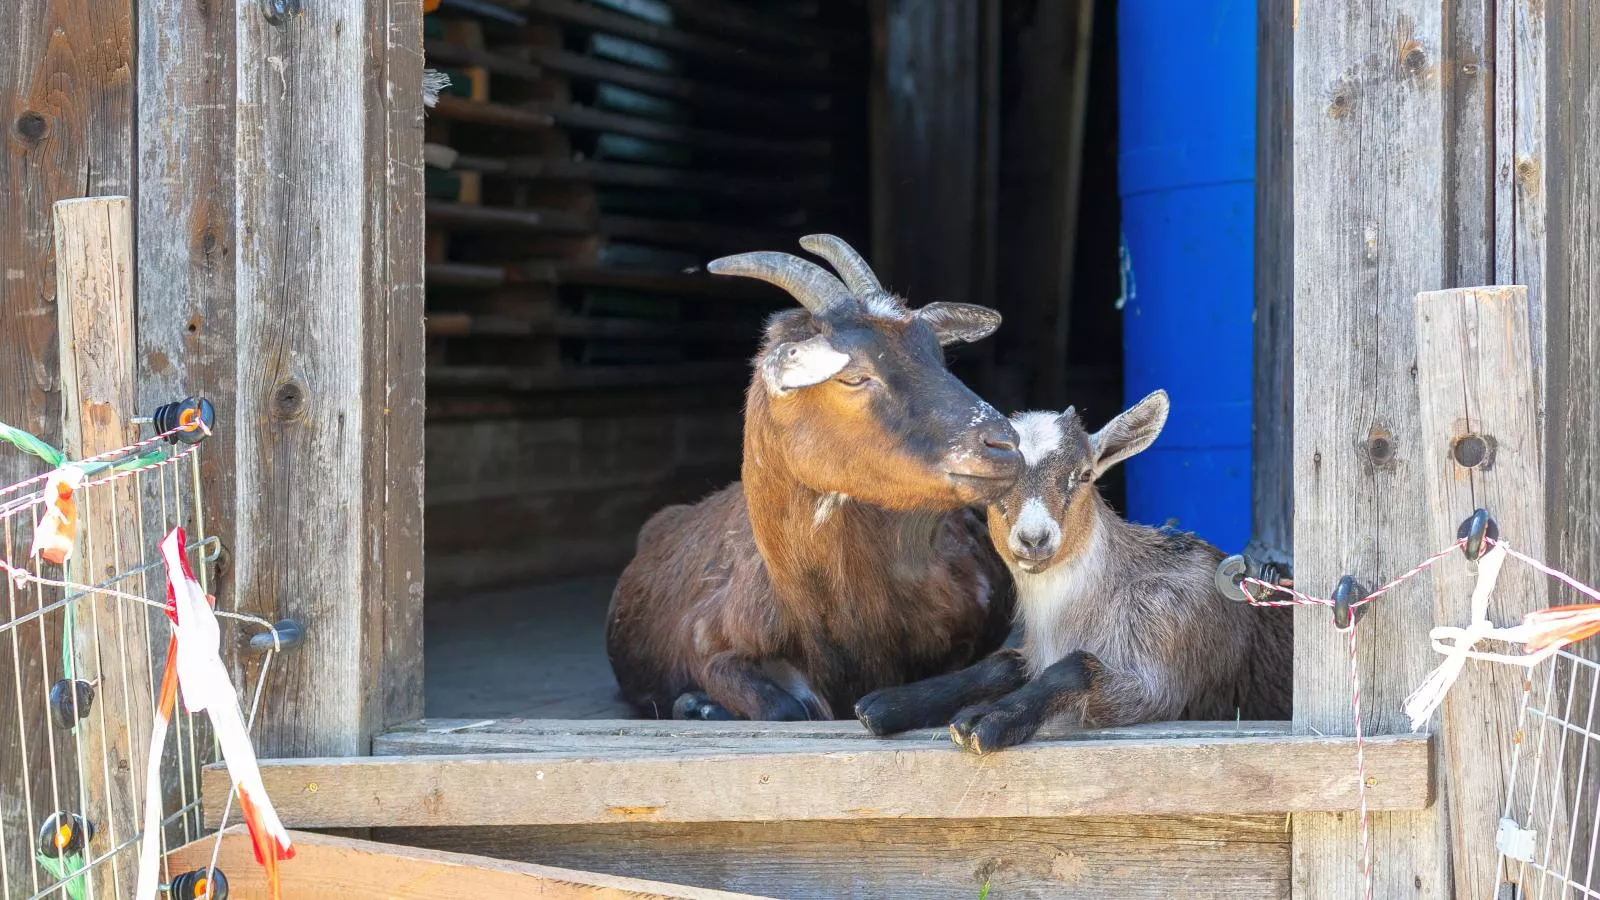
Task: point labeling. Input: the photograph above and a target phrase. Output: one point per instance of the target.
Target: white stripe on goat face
(1038, 436)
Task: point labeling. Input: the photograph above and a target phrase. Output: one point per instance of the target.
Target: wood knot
(1414, 60)
(1473, 451)
(1380, 448)
(32, 127)
(1340, 105)
(288, 401)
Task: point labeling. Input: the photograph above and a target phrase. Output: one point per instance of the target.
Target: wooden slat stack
(591, 157)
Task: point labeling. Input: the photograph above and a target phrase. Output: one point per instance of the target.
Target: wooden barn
(459, 353)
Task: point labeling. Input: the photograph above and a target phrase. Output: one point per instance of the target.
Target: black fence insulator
(1347, 592)
(65, 834)
(290, 634)
(70, 702)
(193, 885)
(187, 411)
(1474, 530)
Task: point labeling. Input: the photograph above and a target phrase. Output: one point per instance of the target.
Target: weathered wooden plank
(1481, 446)
(1523, 60)
(111, 642)
(812, 779)
(1466, 78)
(326, 866)
(786, 187)
(329, 360)
(1272, 444)
(68, 119)
(432, 736)
(1368, 202)
(803, 67)
(1137, 858)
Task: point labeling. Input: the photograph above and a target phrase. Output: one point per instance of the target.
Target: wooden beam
(328, 866)
(111, 642)
(1368, 84)
(576, 781)
(436, 736)
(807, 68)
(328, 462)
(1132, 858)
(1481, 447)
(543, 168)
(1272, 441)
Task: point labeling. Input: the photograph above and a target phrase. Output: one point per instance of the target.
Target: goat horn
(857, 275)
(809, 283)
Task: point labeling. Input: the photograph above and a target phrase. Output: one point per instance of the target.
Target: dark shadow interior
(584, 371)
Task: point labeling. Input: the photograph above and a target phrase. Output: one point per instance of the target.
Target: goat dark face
(1047, 515)
(857, 386)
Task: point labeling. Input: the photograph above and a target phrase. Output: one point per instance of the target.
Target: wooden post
(1272, 446)
(94, 300)
(1481, 447)
(1368, 201)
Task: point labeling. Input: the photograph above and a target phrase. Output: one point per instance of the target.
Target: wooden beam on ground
(1132, 858)
(1368, 84)
(111, 642)
(1481, 447)
(600, 779)
(327, 866)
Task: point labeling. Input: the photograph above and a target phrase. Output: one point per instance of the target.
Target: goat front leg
(1015, 717)
(738, 685)
(931, 702)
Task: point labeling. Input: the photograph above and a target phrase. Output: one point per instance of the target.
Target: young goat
(1122, 623)
(849, 558)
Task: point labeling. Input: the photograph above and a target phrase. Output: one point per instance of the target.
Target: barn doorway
(585, 162)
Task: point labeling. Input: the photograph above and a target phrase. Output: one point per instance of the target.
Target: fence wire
(60, 731)
(1547, 840)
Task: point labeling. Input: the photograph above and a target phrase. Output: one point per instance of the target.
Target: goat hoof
(871, 712)
(698, 705)
(985, 729)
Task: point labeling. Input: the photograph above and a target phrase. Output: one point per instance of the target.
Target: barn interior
(587, 160)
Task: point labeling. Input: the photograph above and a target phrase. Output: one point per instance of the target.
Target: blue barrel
(1187, 102)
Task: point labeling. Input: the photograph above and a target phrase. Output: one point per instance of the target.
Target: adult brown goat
(849, 558)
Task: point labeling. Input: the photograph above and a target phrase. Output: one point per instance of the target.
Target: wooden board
(1272, 444)
(578, 781)
(67, 126)
(1368, 202)
(445, 735)
(327, 866)
(1476, 381)
(1139, 858)
(110, 639)
(329, 361)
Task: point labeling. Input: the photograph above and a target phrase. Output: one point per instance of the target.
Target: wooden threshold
(327, 866)
(740, 773)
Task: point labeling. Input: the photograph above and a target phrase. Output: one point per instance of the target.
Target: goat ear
(798, 364)
(1131, 432)
(959, 322)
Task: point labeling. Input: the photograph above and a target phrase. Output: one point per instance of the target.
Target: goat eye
(1085, 475)
(855, 380)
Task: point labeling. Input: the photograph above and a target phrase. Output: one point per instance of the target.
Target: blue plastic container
(1187, 94)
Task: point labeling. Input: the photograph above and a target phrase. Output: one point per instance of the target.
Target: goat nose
(1000, 436)
(1033, 541)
